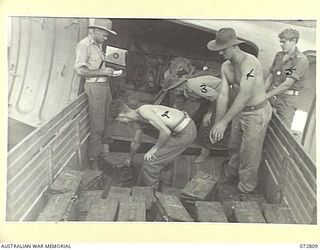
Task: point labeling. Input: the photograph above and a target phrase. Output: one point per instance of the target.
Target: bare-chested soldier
(177, 132)
(250, 112)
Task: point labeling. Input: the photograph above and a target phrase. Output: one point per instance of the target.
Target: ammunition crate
(60, 207)
(119, 193)
(169, 208)
(103, 210)
(92, 180)
(278, 214)
(113, 167)
(132, 211)
(67, 180)
(145, 193)
(207, 211)
(248, 212)
(86, 199)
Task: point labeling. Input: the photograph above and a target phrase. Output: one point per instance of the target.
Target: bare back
(248, 70)
(170, 117)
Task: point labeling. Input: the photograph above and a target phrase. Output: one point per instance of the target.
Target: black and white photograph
(159, 120)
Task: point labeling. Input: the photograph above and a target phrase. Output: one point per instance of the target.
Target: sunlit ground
(298, 123)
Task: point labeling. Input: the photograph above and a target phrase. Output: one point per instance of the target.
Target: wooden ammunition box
(169, 208)
(60, 207)
(119, 193)
(259, 198)
(248, 212)
(92, 180)
(103, 210)
(86, 199)
(145, 193)
(207, 211)
(67, 180)
(112, 166)
(278, 214)
(132, 211)
(227, 193)
(200, 187)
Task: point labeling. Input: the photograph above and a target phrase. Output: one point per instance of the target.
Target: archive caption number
(308, 245)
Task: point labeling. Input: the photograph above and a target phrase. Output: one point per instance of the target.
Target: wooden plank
(103, 210)
(21, 191)
(18, 208)
(67, 180)
(273, 164)
(47, 130)
(18, 156)
(209, 211)
(295, 150)
(64, 159)
(132, 211)
(20, 176)
(296, 145)
(294, 201)
(294, 208)
(119, 193)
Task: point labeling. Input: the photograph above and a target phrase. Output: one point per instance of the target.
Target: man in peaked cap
(250, 111)
(90, 65)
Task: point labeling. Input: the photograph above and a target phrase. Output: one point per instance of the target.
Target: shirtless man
(250, 111)
(176, 132)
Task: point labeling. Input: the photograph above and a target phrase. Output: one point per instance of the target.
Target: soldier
(90, 65)
(250, 111)
(287, 76)
(176, 132)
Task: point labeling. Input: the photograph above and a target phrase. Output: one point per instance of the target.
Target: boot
(203, 157)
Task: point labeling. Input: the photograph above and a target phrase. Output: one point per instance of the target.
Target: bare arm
(223, 98)
(135, 144)
(281, 88)
(268, 82)
(84, 71)
(245, 93)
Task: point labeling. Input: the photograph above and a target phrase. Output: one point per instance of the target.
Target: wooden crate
(145, 193)
(60, 207)
(227, 193)
(67, 180)
(113, 166)
(200, 187)
(248, 212)
(92, 180)
(132, 211)
(278, 214)
(86, 199)
(170, 208)
(119, 193)
(210, 211)
(103, 210)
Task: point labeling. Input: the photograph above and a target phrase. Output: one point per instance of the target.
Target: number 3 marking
(203, 88)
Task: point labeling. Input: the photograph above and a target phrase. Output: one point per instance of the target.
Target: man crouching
(176, 132)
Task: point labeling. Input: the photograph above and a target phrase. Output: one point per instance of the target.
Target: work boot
(203, 157)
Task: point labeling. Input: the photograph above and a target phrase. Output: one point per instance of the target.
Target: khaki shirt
(90, 55)
(295, 67)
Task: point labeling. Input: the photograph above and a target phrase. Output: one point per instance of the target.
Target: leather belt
(255, 107)
(182, 124)
(291, 92)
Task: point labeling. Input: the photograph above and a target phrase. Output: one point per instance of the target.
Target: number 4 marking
(165, 114)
